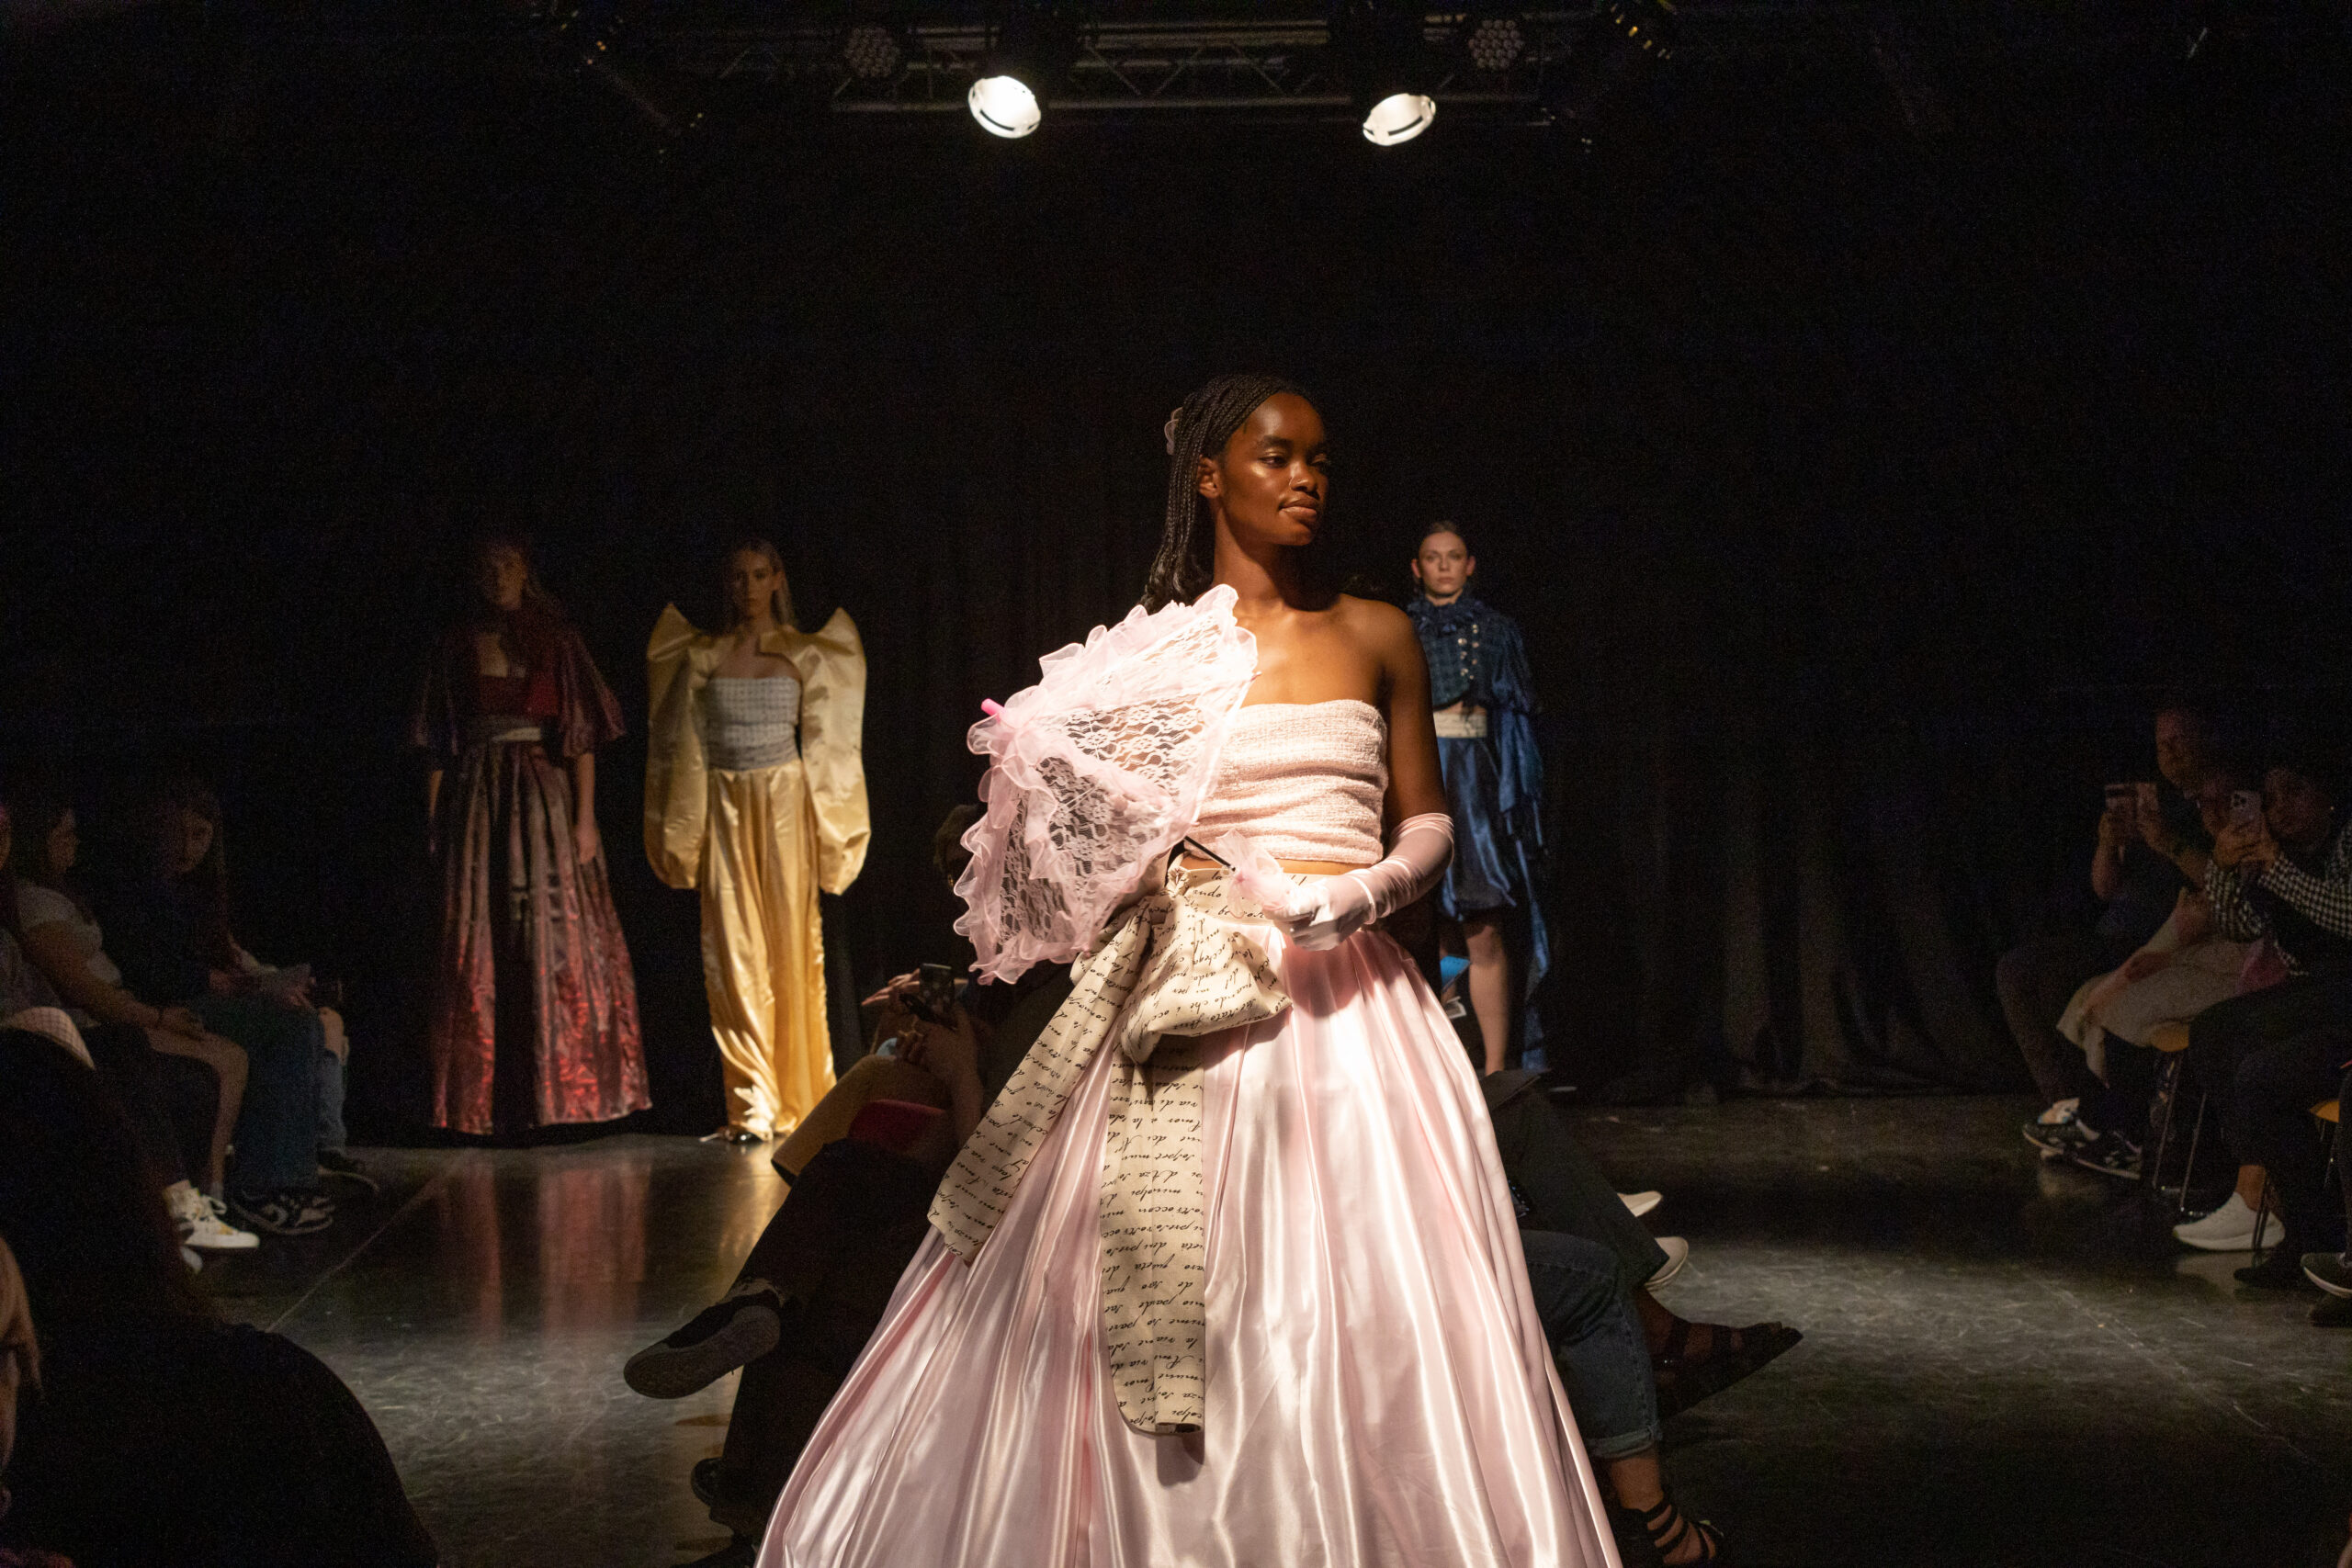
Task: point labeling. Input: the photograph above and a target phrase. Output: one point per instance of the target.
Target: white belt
(1460, 724)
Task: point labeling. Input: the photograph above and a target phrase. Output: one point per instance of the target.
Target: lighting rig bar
(1123, 66)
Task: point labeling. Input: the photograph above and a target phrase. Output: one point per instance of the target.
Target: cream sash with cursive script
(1175, 966)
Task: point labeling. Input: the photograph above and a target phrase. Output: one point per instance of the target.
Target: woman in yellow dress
(756, 793)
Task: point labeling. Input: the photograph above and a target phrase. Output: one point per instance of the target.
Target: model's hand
(586, 840)
(1326, 913)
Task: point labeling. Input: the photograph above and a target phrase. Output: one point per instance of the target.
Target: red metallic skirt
(534, 1003)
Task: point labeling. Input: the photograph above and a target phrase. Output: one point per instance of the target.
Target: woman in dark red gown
(531, 956)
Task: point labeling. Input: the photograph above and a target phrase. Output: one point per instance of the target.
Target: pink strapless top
(1305, 780)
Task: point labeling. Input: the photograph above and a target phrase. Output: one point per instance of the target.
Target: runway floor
(2004, 1364)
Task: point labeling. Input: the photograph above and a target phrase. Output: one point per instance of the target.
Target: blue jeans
(1587, 1306)
(331, 1086)
(278, 1127)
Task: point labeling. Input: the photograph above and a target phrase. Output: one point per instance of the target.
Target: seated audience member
(164, 1438)
(2176, 974)
(183, 1086)
(19, 1376)
(203, 849)
(2135, 886)
(2283, 872)
(2331, 1271)
(167, 920)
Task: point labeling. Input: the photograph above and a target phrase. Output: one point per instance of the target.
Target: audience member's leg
(2221, 1037)
(2036, 980)
(1583, 1298)
(868, 1079)
(1564, 1190)
(2121, 1105)
(278, 1132)
(229, 1068)
(192, 1100)
(334, 1077)
(2269, 1121)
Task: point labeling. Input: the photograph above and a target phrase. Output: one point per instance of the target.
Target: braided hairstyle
(1185, 565)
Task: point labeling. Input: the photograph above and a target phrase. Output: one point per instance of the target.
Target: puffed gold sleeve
(832, 729)
(676, 789)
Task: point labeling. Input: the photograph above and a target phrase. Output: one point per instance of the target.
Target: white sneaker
(200, 1226)
(193, 1258)
(2229, 1228)
(1678, 1253)
(1641, 1203)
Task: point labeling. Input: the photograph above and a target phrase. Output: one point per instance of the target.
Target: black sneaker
(289, 1211)
(2282, 1271)
(740, 1328)
(2056, 1140)
(2331, 1271)
(2107, 1153)
(341, 1166)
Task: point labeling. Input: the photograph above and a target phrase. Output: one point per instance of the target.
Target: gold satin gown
(755, 794)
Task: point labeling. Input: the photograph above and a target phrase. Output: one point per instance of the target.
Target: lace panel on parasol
(1095, 774)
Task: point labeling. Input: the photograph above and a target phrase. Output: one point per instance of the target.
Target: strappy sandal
(1668, 1527)
(1683, 1380)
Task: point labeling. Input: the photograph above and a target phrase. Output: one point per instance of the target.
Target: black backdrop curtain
(1812, 458)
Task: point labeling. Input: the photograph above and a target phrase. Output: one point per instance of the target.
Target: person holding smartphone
(2136, 887)
(2283, 869)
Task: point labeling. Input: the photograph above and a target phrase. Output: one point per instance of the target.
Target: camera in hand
(934, 994)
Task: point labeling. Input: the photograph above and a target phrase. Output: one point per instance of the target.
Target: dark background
(1857, 490)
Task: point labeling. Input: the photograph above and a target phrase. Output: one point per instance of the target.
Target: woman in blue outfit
(1485, 704)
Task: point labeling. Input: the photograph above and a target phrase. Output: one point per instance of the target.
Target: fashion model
(1228, 1274)
(533, 1010)
(755, 794)
(1485, 706)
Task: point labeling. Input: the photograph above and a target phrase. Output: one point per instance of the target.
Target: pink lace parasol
(1094, 774)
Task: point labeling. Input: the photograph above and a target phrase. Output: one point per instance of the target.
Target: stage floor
(2002, 1366)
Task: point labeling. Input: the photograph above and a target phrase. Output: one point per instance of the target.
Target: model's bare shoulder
(1382, 629)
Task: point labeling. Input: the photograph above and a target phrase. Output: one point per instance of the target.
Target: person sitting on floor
(164, 1438)
(184, 1086)
(2281, 871)
(170, 936)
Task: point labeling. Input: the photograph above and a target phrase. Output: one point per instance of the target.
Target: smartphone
(2122, 799)
(935, 992)
(2245, 808)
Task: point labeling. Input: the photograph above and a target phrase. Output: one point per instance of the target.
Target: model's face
(2180, 750)
(499, 577)
(1444, 567)
(64, 844)
(751, 584)
(195, 842)
(1273, 478)
(2298, 809)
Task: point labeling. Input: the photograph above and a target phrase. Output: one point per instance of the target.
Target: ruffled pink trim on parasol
(1094, 774)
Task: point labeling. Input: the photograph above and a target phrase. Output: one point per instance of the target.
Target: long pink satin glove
(1324, 914)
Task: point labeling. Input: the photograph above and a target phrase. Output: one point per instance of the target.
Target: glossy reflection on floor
(2004, 1365)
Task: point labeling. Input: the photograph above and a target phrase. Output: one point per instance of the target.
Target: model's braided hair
(1185, 565)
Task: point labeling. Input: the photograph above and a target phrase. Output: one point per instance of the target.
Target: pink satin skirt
(1379, 1389)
